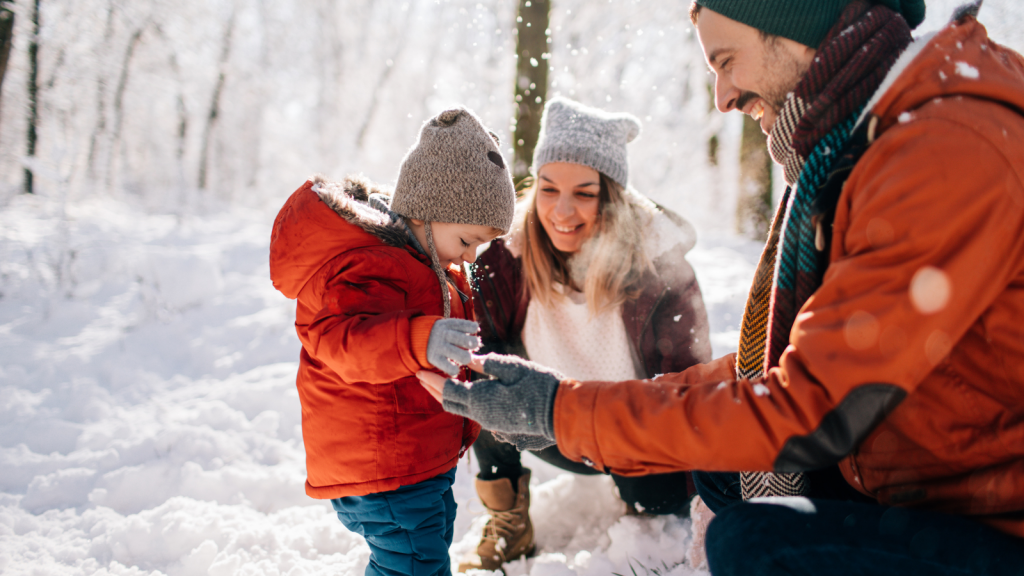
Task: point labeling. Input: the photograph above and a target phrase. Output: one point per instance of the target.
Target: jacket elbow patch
(841, 430)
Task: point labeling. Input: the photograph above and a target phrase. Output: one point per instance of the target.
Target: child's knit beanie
(455, 173)
(577, 134)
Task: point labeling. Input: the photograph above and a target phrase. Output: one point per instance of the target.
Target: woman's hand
(519, 399)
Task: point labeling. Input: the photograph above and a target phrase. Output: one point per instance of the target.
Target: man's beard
(779, 65)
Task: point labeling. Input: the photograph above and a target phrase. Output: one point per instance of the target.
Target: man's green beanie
(805, 21)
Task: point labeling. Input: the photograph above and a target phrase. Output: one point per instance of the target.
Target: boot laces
(502, 525)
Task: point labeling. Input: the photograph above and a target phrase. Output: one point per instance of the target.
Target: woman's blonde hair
(609, 265)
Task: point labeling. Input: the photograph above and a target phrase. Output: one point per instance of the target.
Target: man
(885, 327)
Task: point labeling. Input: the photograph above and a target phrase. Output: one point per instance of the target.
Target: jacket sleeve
(930, 230)
(363, 330)
(497, 279)
(681, 331)
(721, 369)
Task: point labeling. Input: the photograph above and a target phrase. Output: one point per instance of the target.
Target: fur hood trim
(351, 199)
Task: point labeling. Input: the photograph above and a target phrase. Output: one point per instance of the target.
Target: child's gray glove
(451, 341)
(519, 400)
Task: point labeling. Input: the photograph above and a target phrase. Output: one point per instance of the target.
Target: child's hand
(435, 384)
(451, 341)
(476, 363)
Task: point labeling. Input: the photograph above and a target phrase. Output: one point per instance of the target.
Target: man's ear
(802, 53)
(415, 221)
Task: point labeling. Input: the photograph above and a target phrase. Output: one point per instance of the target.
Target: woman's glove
(520, 399)
(451, 341)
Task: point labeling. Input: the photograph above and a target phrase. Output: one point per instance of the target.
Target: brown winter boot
(508, 534)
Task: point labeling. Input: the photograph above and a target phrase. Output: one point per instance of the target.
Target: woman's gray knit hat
(455, 173)
(578, 134)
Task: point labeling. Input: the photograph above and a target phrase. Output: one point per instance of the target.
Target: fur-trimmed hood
(308, 231)
(364, 204)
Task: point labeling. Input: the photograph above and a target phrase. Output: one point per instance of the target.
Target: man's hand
(519, 400)
(523, 442)
(451, 341)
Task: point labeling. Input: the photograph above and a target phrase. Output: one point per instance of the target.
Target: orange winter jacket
(907, 365)
(366, 304)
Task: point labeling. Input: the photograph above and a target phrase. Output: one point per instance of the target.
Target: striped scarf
(810, 136)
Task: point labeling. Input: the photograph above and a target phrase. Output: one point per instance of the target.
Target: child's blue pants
(409, 530)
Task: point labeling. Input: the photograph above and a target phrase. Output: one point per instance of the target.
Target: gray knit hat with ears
(578, 134)
(455, 173)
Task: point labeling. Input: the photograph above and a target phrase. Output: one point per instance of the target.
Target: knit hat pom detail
(447, 118)
(631, 127)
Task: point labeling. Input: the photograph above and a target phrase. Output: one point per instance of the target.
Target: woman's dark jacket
(667, 324)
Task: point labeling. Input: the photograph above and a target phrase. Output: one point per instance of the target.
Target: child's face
(455, 243)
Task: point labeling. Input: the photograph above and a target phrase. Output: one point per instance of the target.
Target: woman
(592, 281)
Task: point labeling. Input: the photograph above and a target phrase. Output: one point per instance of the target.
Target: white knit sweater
(567, 338)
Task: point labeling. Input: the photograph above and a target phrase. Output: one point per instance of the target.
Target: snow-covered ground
(149, 421)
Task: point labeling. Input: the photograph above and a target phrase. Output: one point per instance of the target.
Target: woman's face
(567, 203)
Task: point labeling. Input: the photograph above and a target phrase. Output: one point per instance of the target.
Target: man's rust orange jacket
(907, 365)
(366, 302)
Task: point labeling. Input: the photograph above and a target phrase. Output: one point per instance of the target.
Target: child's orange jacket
(366, 304)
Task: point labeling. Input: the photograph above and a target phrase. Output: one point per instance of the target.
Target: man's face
(752, 75)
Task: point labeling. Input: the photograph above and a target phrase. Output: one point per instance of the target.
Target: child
(378, 300)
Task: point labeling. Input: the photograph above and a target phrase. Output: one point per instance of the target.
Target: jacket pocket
(412, 398)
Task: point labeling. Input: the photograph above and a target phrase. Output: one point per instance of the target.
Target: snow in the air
(149, 422)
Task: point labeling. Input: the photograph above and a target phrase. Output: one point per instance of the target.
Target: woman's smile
(566, 229)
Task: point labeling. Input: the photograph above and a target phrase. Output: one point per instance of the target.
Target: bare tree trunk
(6, 36)
(122, 85)
(211, 118)
(531, 81)
(754, 208)
(713, 140)
(33, 93)
(402, 35)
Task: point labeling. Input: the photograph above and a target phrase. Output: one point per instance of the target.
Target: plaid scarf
(810, 136)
